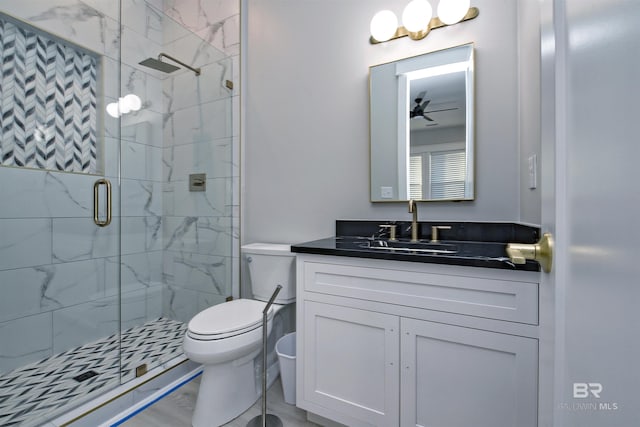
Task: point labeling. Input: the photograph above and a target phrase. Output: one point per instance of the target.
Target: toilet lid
(229, 318)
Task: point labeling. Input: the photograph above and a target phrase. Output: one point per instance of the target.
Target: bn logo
(584, 390)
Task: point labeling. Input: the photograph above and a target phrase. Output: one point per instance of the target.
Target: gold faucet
(434, 232)
(413, 208)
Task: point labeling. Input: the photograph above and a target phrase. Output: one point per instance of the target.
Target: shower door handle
(96, 205)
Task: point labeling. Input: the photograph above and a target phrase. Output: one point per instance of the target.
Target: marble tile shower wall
(58, 271)
(218, 23)
(199, 228)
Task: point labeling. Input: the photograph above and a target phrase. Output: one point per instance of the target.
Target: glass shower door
(59, 270)
(176, 237)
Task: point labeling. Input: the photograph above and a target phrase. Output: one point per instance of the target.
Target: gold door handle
(542, 252)
(96, 205)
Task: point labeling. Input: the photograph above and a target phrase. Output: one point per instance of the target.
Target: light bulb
(452, 11)
(113, 110)
(133, 102)
(124, 107)
(416, 16)
(383, 25)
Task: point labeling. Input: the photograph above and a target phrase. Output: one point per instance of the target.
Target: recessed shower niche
(49, 94)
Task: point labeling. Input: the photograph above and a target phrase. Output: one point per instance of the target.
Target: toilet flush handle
(249, 259)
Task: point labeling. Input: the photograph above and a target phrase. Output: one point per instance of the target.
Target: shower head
(157, 64)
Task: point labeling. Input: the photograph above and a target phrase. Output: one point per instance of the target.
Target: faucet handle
(434, 231)
(392, 230)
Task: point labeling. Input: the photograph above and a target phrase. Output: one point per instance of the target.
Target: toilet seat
(227, 320)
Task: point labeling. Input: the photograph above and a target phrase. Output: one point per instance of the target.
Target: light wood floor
(175, 410)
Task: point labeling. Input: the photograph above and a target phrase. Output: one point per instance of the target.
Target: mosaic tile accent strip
(48, 101)
(39, 391)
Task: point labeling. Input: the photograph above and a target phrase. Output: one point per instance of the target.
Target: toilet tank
(271, 264)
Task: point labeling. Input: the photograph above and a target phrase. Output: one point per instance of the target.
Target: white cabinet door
(461, 377)
(351, 362)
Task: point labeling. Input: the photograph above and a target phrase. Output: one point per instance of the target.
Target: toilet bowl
(227, 338)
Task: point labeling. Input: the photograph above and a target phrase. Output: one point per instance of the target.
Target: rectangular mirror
(421, 117)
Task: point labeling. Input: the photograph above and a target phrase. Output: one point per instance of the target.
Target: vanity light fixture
(417, 20)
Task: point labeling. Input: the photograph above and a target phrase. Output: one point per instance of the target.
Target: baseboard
(325, 422)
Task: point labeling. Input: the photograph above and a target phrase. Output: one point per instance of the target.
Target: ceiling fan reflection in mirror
(419, 110)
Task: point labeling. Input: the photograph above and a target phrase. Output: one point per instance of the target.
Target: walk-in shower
(86, 307)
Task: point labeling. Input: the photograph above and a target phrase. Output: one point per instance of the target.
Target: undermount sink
(409, 246)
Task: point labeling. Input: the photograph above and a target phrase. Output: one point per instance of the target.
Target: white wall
(306, 105)
(529, 106)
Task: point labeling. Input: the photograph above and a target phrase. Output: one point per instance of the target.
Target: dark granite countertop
(487, 254)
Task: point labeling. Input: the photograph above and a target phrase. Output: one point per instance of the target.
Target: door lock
(542, 252)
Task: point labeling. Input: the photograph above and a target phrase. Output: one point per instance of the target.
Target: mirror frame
(396, 121)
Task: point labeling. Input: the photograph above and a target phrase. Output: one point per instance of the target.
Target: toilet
(227, 338)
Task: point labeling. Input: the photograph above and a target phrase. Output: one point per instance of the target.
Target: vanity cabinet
(352, 362)
(456, 376)
(390, 343)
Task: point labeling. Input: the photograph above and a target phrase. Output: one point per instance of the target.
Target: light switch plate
(533, 172)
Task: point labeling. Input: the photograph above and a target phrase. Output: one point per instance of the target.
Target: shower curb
(112, 407)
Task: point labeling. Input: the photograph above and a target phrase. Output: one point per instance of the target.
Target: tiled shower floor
(39, 391)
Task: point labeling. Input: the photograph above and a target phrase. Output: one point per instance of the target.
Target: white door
(591, 202)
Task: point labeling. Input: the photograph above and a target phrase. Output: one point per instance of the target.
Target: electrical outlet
(386, 192)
